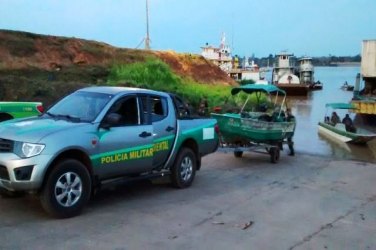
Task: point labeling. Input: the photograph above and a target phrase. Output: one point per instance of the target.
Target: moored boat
(344, 131)
(347, 87)
(284, 76)
(306, 70)
(365, 91)
(316, 86)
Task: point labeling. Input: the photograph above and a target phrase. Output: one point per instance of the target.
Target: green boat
(247, 128)
(10, 110)
(338, 131)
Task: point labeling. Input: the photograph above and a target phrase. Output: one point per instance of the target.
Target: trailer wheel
(274, 154)
(238, 154)
(184, 169)
(67, 189)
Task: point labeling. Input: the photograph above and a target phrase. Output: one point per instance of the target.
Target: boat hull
(239, 130)
(294, 89)
(344, 136)
(315, 86)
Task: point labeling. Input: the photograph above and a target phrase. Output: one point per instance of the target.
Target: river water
(311, 109)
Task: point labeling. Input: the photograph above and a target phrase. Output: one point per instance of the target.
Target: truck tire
(184, 169)
(67, 189)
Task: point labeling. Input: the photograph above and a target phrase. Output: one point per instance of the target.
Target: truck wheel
(274, 154)
(67, 189)
(238, 154)
(184, 169)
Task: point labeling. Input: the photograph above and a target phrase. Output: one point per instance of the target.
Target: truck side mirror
(111, 120)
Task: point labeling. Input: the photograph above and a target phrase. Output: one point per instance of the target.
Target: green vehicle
(251, 130)
(11, 110)
(99, 135)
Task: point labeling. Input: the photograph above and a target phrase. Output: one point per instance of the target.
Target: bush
(244, 82)
(157, 75)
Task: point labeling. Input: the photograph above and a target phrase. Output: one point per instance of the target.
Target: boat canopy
(340, 105)
(251, 88)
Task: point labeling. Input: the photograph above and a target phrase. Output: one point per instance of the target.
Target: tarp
(251, 88)
(340, 105)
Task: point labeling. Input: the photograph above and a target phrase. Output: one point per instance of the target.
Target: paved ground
(303, 202)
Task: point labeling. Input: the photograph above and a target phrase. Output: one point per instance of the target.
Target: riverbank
(44, 68)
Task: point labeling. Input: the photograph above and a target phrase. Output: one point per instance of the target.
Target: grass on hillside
(157, 75)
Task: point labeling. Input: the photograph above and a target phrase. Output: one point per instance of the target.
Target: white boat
(220, 56)
(246, 71)
(339, 131)
(284, 75)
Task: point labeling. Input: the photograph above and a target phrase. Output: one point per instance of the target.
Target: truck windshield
(80, 106)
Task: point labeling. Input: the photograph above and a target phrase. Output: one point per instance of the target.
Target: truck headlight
(26, 150)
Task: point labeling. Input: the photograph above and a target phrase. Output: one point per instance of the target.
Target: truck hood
(34, 129)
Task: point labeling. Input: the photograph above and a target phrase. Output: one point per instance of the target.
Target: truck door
(127, 147)
(163, 120)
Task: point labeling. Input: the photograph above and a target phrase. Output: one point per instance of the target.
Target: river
(311, 109)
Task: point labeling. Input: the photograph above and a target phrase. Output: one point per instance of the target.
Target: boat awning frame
(340, 105)
(255, 88)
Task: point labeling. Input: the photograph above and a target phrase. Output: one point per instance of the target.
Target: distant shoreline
(339, 65)
(336, 64)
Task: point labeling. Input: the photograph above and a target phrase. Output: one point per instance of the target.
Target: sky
(252, 27)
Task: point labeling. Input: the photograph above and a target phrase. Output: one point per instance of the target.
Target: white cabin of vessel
(220, 56)
(365, 100)
(284, 69)
(306, 70)
(248, 71)
(368, 63)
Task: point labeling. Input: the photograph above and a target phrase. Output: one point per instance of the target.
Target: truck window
(183, 109)
(81, 104)
(156, 106)
(159, 109)
(127, 108)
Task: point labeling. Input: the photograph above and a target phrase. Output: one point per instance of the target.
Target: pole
(147, 39)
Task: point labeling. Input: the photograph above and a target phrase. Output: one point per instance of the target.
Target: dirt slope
(25, 51)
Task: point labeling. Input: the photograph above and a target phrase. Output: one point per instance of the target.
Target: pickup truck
(10, 110)
(100, 134)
